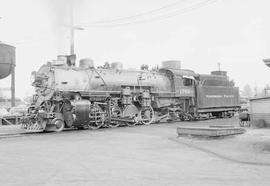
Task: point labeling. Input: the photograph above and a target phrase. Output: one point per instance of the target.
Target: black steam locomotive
(87, 97)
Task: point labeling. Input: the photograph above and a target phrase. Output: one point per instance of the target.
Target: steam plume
(64, 14)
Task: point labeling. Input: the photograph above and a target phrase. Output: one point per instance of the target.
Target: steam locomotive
(68, 96)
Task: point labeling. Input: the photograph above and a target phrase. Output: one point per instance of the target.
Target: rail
(9, 120)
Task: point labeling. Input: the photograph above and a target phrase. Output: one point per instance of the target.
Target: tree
(256, 90)
(266, 90)
(247, 91)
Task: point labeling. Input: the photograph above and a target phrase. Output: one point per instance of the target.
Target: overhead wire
(118, 22)
(140, 14)
(157, 18)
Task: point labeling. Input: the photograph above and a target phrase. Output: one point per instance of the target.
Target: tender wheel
(116, 112)
(97, 117)
(147, 115)
(179, 115)
(241, 123)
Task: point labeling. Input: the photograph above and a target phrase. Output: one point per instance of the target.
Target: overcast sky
(200, 33)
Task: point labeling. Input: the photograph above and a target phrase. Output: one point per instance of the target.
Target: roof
(181, 72)
(259, 98)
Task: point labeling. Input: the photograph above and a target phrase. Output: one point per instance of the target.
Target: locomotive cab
(183, 88)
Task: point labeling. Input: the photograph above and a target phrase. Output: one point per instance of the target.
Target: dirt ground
(140, 155)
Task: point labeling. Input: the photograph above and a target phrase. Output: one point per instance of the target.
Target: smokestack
(71, 29)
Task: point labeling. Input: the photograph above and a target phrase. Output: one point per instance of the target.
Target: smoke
(64, 14)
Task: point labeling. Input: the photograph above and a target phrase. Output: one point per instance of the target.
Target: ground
(140, 155)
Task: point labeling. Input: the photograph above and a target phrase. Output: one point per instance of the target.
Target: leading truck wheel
(57, 125)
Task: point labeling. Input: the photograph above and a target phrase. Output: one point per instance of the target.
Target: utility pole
(72, 30)
(72, 38)
(12, 87)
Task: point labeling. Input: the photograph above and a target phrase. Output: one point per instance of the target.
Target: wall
(260, 110)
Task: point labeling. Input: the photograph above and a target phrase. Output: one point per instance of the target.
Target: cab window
(187, 82)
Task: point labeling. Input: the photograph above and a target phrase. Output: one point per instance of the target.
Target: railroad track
(9, 133)
(14, 132)
(3, 136)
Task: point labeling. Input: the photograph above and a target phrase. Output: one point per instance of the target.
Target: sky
(199, 33)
